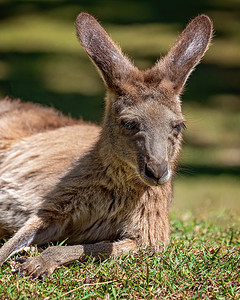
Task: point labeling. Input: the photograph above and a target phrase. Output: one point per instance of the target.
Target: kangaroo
(107, 190)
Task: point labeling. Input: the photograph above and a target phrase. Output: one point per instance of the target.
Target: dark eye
(179, 127)
(130, 125)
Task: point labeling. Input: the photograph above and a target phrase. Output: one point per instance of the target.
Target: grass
(202, 262)
(208, 197)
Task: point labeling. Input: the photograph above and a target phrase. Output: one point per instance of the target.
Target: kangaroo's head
(143, 120)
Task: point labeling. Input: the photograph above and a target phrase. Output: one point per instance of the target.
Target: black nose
(156, 171)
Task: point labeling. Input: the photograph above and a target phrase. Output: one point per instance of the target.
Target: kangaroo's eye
(179, 127)
(130, 125)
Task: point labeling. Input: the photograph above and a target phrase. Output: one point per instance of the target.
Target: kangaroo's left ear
(186, 52)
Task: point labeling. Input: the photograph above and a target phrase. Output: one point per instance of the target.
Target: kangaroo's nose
(156, 171)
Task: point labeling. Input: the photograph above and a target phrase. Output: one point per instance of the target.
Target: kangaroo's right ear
(107, 56)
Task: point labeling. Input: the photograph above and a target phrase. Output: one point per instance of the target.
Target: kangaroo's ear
(186, 52)
(107, 56)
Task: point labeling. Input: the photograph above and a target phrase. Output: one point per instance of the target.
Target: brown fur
(27, 119)
(105, 189)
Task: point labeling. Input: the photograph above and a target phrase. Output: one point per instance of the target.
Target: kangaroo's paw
(36, 267)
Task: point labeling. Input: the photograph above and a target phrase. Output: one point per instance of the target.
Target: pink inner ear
(193, 50)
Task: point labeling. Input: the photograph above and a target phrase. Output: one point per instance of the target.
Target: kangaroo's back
(19, 120)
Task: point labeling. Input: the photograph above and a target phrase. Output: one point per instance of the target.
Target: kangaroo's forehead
(151, 111)
(146, 95)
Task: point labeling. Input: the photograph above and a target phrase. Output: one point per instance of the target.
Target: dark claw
(34, 275)
(21, 259)
(38, 275)
(20, 271)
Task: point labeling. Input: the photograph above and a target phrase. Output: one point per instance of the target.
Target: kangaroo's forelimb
(51, 258)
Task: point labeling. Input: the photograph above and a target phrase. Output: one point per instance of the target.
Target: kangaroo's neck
(148, 220)
(114, 169)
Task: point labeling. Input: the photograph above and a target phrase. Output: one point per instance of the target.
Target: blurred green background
(42, 61)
